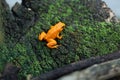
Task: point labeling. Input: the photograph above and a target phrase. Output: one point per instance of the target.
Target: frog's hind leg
(42, 36)
(52, 43)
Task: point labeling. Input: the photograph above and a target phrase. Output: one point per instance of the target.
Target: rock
(102, 12)
(23, 17)
(10, 72)
(22, 12)
(18, 21)
(1, 27)
(33, 4)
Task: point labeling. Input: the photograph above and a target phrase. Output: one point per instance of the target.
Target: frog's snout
(62, 24)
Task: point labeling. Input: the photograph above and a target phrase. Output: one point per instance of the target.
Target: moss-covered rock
(83, 37)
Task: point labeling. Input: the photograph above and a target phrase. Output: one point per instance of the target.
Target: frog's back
(52, 33)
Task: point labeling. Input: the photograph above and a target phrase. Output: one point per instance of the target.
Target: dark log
(52, 75)
(103, 71)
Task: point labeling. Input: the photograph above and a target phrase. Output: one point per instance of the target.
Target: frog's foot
(59, 37)
(52, 43)
(42, 36)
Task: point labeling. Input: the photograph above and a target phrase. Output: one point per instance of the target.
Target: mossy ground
(82, 38)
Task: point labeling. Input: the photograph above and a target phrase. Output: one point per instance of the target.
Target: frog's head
(61, 25)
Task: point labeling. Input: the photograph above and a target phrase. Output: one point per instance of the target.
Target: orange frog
(52, 34)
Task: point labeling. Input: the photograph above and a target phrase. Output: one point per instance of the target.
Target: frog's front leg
(42, 36)
(52, 43)
(59, 37)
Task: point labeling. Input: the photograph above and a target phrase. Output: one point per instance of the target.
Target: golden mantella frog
(52, 34)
